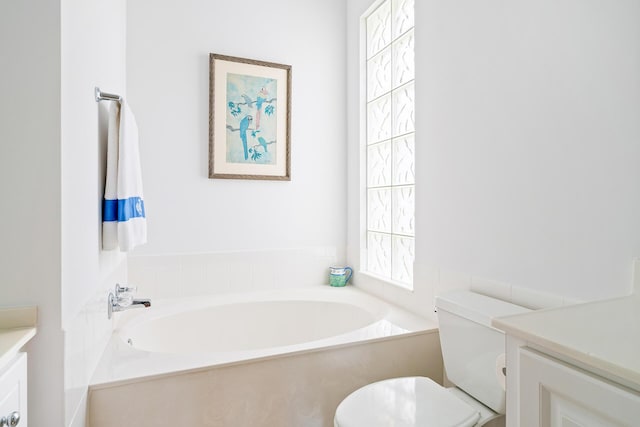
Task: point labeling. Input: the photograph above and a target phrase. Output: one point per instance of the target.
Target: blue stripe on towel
(122, 210)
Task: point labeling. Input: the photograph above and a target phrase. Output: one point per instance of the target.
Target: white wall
(527, 145)
(51, 176)
(30, 188)
(93, 54)
(168, 46)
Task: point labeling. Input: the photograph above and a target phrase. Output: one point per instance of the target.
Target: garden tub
(193, 354)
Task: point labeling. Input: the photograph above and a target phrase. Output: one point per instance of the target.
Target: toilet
(473, 354)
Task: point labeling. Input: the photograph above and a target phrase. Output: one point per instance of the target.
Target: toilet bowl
(409, 402)
(473, 354)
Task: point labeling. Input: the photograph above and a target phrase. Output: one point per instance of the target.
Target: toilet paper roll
(501, 371)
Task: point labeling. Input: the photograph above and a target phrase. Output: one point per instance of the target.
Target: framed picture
(249, 119)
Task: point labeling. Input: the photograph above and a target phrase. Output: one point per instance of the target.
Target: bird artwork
(260, 99)
(244, 127)
(248, 100)
(263, 142)
(250, 116)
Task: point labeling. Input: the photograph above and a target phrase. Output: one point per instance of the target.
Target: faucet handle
(125, 289)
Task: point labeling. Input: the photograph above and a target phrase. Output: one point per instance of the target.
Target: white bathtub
(190, 333)
(279, 358)
(244, 326)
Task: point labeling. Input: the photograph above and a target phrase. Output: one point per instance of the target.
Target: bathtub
(203, 345)
(247, 326)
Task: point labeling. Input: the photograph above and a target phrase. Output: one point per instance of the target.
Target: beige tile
(294, 390)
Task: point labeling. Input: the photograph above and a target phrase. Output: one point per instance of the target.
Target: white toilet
(473, 353)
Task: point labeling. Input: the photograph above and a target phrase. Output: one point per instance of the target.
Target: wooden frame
(249, 119)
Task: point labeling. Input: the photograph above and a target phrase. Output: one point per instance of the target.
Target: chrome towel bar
(104, 96)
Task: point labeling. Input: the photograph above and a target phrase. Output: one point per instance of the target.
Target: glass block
(403, 110)
(404, 160)
(403, 213)
(379, 210)
(402, 16)
(403, 59)
(379, 74)
(379, 165)
(379, 254)
(379, 29)
(379, 119)
(403, 255)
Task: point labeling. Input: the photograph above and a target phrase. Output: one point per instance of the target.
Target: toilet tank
(473, 350)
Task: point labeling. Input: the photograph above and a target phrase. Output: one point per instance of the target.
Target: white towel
(124, 223)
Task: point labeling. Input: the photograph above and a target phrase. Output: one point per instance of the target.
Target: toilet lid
(404, 402)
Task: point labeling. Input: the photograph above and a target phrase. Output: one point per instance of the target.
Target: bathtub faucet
(123, 299)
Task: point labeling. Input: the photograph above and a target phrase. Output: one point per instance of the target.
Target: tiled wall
(178, 275)
(84, 342)
(521, 296)
(525, 297)
(181, 275)
(432, 281)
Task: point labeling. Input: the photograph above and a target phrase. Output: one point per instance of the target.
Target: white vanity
(17, 327)
(575, 366)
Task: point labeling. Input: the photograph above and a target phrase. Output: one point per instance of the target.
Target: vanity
(17, 327)
(574, 366)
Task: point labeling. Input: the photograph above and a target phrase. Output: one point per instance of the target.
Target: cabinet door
(555, 394)
(13, 389)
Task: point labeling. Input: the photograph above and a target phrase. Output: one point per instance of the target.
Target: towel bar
(104, 96)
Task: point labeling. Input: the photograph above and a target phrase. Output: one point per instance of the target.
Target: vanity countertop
(17, 327)
(604, 335)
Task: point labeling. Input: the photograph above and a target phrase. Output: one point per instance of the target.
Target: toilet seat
(404, 402)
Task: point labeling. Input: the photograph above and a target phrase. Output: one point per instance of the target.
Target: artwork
(249, 119)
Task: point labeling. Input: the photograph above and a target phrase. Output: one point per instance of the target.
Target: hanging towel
(124, 223)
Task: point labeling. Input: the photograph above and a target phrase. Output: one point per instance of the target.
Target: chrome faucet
(123, 300)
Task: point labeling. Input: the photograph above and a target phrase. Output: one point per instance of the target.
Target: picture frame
(249, 119)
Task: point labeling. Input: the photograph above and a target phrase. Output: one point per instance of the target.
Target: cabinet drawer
(13, 389)
(554, 393)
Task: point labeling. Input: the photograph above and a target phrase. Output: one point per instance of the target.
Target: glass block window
(390, 140)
